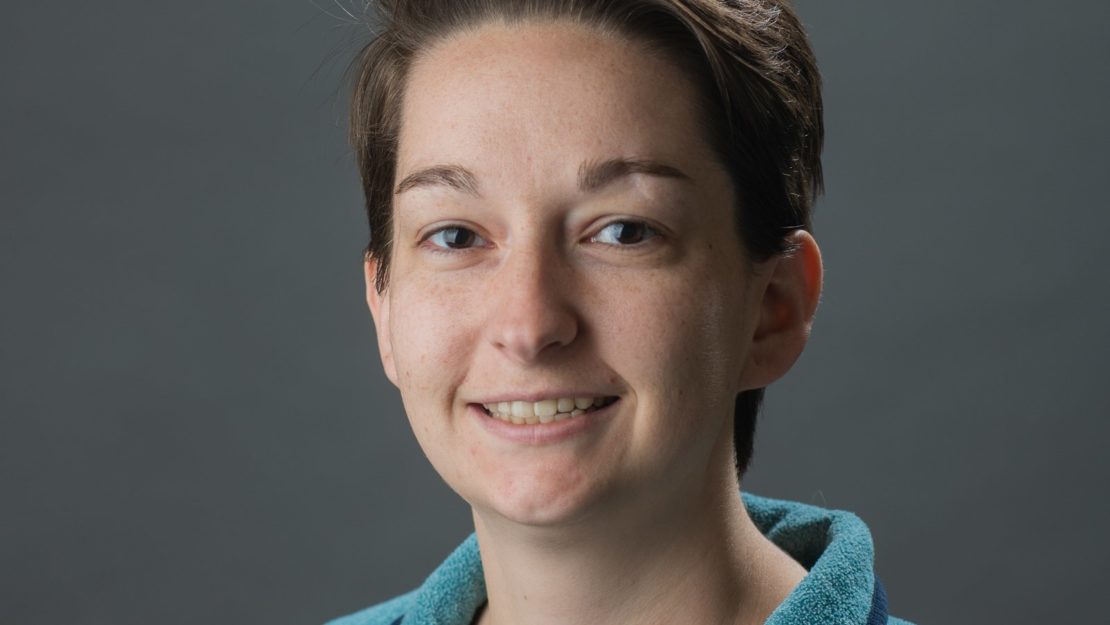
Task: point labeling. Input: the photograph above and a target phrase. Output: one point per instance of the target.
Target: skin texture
(544, 300)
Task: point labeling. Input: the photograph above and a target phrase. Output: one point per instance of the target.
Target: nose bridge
(530, 311)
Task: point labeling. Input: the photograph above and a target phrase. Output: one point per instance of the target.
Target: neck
(700, 561)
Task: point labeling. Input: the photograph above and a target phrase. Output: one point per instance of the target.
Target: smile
(546, 410)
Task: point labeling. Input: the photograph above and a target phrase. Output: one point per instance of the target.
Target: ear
(786, 308)
(379, 310)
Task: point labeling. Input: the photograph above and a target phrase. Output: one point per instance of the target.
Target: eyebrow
(592, 175)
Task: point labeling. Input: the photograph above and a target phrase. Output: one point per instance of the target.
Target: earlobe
(379, 311)
(786, 310)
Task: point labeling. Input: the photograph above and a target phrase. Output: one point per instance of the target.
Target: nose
(531, 311)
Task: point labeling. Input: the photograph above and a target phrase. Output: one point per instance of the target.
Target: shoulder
(449, 596)
(384, 613)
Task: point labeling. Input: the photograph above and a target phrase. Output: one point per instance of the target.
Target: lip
(542, 433)
(540, 396)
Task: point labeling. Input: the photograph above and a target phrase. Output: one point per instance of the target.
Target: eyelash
(650, 233)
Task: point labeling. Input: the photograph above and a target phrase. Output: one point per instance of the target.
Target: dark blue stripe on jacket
(878, 614)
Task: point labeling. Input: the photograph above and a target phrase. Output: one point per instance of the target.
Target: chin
(538, 500)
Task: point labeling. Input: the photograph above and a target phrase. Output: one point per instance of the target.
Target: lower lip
(542, 433)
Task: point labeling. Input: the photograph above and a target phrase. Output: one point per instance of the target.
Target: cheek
(674, 338)
(429, 333)
(673, 326)
(432, 343)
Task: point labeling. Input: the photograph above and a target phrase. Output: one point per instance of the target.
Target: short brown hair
(757, 83)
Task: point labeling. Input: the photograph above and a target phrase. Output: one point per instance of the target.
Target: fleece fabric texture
(833, 545)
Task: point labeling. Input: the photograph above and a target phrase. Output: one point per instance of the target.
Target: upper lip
(534, 396)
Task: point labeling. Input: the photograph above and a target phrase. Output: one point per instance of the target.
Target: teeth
(545, 408)
(543, 411)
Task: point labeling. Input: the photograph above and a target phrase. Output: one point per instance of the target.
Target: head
(698, 123)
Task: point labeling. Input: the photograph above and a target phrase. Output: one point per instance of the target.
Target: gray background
(195, 426)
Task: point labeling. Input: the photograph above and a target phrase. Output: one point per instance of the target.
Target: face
(562, 230)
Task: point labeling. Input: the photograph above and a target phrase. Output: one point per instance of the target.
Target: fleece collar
(833, 545)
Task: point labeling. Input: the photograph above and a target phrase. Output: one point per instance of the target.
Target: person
(589, 254)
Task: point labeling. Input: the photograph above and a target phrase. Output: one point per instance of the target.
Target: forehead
(527, 103)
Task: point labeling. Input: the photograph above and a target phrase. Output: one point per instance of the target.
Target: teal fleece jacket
(833, 545)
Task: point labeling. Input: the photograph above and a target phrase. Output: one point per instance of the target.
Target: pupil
(458, 237)
(630, 233)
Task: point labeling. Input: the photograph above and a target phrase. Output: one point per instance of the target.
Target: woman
(588, 257)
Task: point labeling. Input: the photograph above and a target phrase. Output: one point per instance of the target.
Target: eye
(625, 233)
(454, 238)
